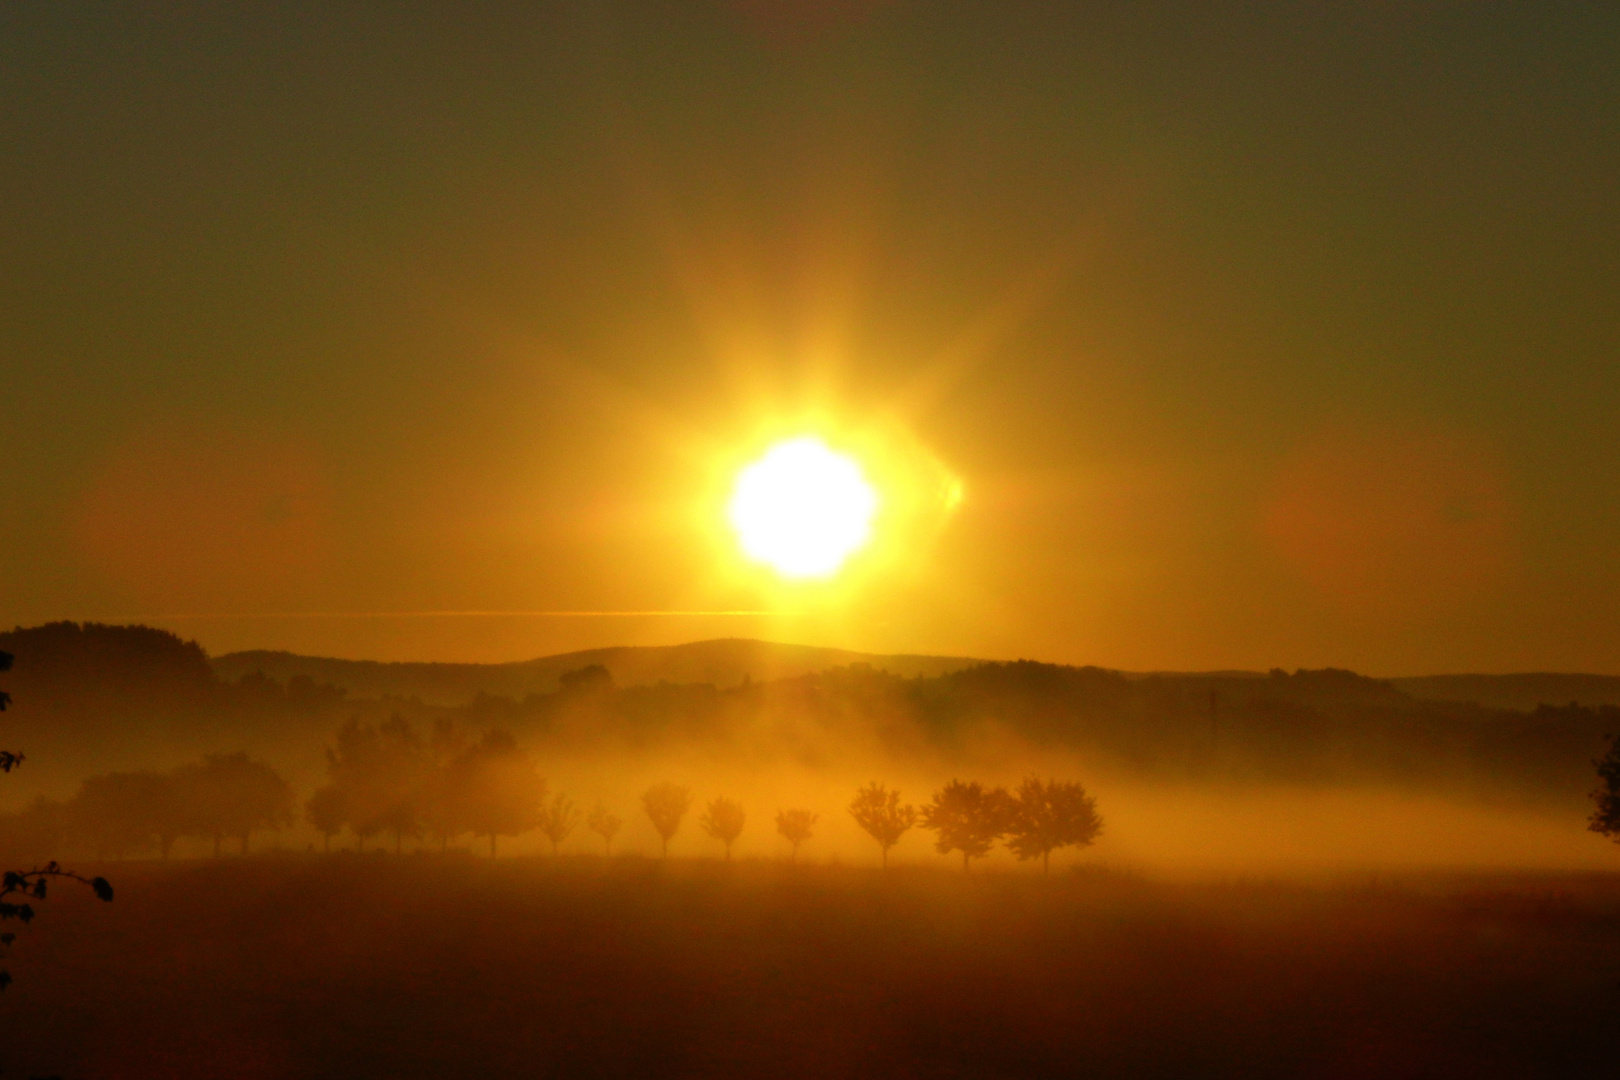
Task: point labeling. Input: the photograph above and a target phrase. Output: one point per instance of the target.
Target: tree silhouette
(400, 778)
(604, 825)
(446, 745)
(795, 826)
(557, 820)
(1606, 813)
(1051, 814)
(122, 813)
(29, 884)
(666, 804)
(968, 818)
(327, 812)
(350, 769)
(379, 778)
(492, 789)
(233, 795)
(877, 810)
(723, 819)
(166, 808)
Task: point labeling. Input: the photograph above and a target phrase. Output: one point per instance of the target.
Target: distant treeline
(139, 686)
(381, 779)
(116, 815)
(1305, 727)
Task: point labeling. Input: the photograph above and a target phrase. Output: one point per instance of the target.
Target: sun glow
(802, 509)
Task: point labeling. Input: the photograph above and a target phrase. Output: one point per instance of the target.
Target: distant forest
(122, 697)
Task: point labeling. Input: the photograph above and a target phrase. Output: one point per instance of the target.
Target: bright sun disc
(802, 509)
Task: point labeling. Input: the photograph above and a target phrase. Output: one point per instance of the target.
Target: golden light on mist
(803, 509)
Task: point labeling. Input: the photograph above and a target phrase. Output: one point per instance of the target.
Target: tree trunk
(965, 868)
(399, 838)
(1046, 863)
(326, 843)
(666, 847)
(492, 845)
(885, 858)
(217, 839)
(244, 843)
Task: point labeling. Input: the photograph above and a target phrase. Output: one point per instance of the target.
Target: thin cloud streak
(422, 615)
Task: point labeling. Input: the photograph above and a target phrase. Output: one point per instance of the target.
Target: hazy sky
(1256, 334)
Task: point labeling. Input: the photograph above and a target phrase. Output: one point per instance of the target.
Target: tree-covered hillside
(94, 698)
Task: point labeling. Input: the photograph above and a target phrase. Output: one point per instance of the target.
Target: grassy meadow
(457, 966)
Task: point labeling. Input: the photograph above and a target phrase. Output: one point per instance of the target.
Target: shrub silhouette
(1606, 813)
(723, 819)
(969, 819)
(666, 804)
(557, 820)
(877, 810)
(1051, 814)
(795, 826)
(604, 825)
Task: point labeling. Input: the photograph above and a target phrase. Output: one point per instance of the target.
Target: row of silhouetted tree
(220, 797)
(1039, 818)
(388, 780)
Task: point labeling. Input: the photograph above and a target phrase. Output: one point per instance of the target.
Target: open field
(418, 966)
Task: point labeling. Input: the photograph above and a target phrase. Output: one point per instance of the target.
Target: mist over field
(1281, 772)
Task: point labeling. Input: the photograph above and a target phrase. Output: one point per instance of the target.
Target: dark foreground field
(424, 967)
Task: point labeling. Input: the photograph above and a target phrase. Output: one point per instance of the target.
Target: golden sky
(1174, 335)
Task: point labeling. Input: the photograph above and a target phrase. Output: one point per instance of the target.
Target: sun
(803, 509)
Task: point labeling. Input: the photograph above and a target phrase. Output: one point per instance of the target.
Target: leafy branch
(31, 885)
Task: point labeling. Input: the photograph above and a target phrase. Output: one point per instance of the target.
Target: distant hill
(724, 662)
(729, 661)
(94, 699)
(1514, 691)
